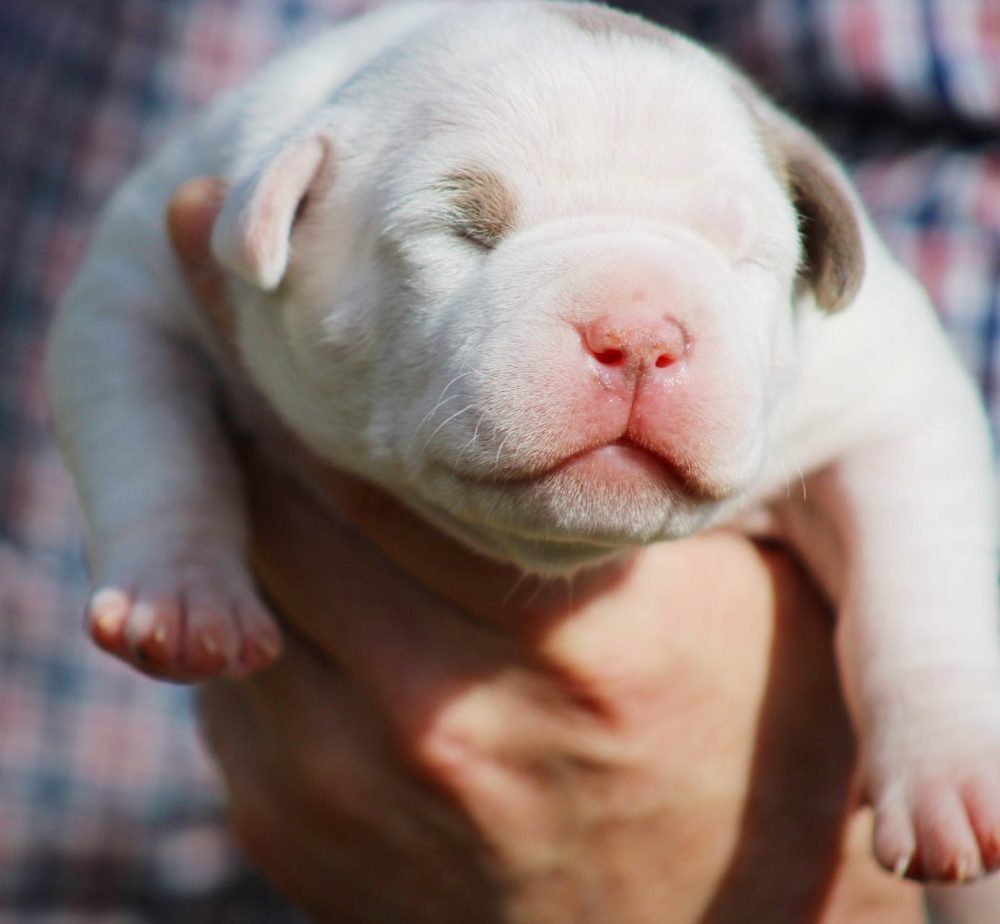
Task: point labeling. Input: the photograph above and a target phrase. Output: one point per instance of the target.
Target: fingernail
(268, 647)
(108, 609)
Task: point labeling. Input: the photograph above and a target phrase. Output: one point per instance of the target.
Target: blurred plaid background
(109, 811)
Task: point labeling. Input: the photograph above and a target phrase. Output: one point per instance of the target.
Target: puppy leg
(918, 639)
(161, 495)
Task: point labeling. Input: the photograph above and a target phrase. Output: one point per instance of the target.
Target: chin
(586, 510)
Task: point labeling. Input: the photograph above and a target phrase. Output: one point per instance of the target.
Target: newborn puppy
(564, 283)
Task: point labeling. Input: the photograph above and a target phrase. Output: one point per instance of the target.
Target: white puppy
(565, 283)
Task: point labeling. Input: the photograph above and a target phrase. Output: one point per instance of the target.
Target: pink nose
(622, 338)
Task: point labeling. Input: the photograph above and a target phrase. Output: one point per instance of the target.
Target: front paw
(183, 617)
(935, 789)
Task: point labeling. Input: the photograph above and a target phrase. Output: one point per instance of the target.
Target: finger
(317, 797)
(191, 216)
(266, 793)
(497, 593)
(417, 651)
(351, 602)
(441, 687)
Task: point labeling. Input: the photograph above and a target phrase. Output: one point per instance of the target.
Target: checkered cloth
(109, 811)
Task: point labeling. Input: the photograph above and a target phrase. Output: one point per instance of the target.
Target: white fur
(454, 376)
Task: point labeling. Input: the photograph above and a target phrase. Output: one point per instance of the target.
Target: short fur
(563, 290)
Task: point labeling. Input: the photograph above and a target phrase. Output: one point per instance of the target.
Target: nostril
(620, 339)
(669, 344)
(610, 357)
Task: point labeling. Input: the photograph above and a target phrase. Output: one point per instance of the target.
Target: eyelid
(480, 205)
(458, 226)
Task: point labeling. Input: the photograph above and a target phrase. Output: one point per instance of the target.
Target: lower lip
(617, 462)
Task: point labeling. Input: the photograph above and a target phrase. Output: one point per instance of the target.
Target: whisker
(536, 593)
(568, 580)
(802, 478)
(784, 474)
(496, 461)
(441, 401)
(522, 578)
(471, 441)
(447, 420)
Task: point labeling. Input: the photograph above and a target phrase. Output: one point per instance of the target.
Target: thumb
(191, 215)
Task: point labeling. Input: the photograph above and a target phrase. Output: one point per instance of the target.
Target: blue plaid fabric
(109, 810)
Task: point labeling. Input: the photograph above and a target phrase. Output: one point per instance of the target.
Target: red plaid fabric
(109, 811)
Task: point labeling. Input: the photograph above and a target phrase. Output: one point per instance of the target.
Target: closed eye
(478, 206)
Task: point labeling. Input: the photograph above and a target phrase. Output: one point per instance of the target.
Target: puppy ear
(252, 235)
(827, 205)
(835, 258)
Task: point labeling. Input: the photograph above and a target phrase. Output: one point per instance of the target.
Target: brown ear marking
(828, 216)
(830, 233)
(481, 207)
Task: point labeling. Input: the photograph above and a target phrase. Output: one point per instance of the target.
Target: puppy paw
(183, 619)
(937, 812)
(941, 829)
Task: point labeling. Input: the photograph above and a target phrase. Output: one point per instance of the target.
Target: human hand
(443, 741)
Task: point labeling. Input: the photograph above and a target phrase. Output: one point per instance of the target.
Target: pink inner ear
(252, 234)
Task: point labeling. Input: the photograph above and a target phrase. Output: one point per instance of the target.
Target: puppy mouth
(615, 464)
(592, 500)
(622, 458)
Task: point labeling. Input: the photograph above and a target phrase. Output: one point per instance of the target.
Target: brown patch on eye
(482, 207)
(603, 22)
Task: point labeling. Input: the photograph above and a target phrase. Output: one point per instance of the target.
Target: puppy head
(539, 276)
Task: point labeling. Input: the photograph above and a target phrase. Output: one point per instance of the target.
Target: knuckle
(456, 745)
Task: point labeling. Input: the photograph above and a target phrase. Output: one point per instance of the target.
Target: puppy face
(542, 285)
